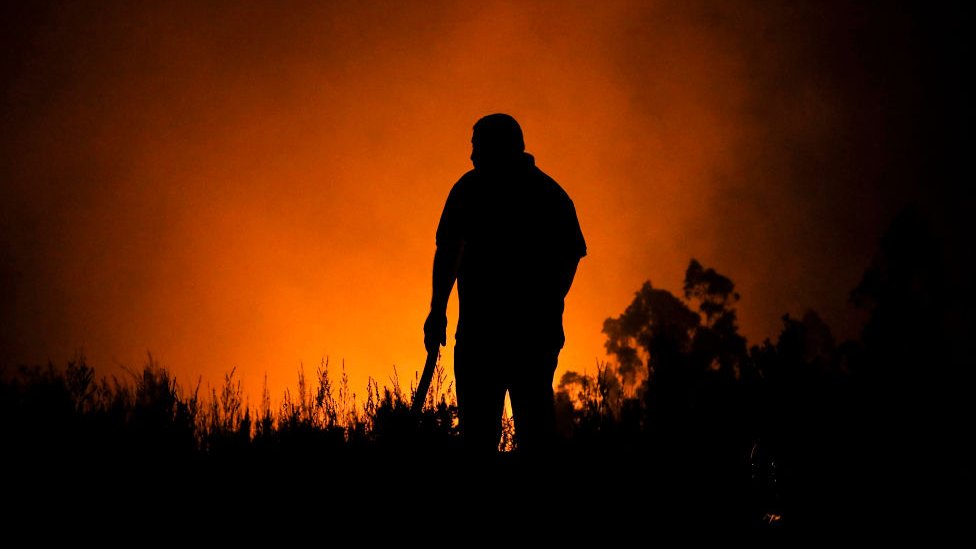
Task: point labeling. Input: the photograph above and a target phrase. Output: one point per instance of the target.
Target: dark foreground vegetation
(688, 427)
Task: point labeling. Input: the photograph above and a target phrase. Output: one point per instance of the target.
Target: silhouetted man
(510, 237)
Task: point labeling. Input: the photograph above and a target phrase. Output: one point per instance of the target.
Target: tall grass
(70, 415)
(70, 410)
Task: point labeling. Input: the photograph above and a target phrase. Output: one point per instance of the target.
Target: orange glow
(259, 188)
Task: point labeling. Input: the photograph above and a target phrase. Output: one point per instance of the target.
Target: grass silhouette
(69, 410)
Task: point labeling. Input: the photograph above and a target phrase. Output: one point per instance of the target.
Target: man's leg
(481, 398)
(532, 400)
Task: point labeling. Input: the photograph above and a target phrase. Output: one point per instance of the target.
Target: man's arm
(567, 273)
(572, 249)
(447, 259)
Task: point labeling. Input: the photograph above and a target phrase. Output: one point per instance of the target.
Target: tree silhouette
(678, 353)
(916, 373)
(802, 407)
(651, 335)
(687, 366)
(717, 341)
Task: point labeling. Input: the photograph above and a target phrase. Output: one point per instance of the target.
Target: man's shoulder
(553, 189)
(468, 178)
(465, 182)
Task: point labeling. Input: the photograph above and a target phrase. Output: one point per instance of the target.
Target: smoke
(259, 186)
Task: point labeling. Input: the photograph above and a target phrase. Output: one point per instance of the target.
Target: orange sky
(259, 187)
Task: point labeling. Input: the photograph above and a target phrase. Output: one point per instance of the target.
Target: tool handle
(425, 378)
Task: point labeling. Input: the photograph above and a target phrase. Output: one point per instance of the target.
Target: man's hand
(435, 331)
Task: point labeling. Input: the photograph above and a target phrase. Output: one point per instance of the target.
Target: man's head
(497, 141)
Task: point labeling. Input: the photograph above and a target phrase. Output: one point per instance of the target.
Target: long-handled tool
(424, 386)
